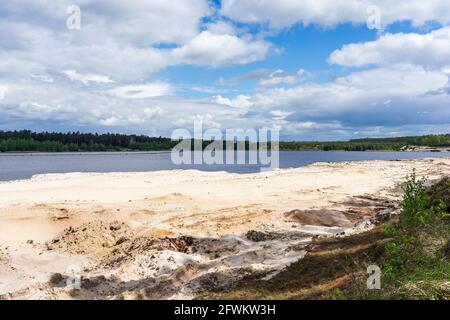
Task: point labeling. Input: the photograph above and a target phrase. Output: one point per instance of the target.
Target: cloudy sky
(323, 69)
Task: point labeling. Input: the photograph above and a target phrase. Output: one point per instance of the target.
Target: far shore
(82, 152)
(408, 150)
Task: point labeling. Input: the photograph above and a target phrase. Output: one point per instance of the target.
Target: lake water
(23, 166)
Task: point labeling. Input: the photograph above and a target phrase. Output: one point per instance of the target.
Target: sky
(314, 70)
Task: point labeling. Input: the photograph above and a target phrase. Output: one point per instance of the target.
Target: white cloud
(111, 121)
(372, 102)
(42, 77)
(131, 42)
(148, 90)
(151, 113)
(135, 119)
(87, 78)
(357, 92)
(285, 13)
(207, 121)
(240, 102)
(368, 102)
(117, 39)
(431, 50)
(280, 115)
(307, 125)
(126, 42)
(215, 49)
(3, 90)
(36, 107)
(139, 21)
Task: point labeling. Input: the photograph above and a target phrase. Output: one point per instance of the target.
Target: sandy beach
(172, 234)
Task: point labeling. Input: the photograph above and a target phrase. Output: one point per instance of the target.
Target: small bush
(416, 204)
(415, 252)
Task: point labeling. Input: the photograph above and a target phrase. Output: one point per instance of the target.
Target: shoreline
(43, 153)
(419, 150)
(176, 170)
(12, 173)
(174, 233)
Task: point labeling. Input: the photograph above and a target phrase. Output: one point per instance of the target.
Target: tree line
(26, 140)
(371, 144)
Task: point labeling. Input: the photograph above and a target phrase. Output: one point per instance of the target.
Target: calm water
(23, 166)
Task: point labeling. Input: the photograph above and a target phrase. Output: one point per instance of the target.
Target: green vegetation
(19, 141)
(417, 263)
(387, 144)
(25, 140)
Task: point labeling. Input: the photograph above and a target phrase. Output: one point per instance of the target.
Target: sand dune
(171, 234)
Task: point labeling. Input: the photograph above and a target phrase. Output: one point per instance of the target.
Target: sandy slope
(123, 232)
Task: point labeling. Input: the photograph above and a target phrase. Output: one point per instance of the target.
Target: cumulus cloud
(104, 75)
(127, 42)
(431, 50)
(49, 105)
(138, 22)
(380, 82)
(240, 102)
(377, 102)
(35, 38)
(209, 48)
(285, 13)
(120, 46)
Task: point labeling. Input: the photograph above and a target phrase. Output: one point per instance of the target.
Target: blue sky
(301, 48)
(312, 69)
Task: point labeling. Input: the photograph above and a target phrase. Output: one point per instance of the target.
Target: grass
(409, 251)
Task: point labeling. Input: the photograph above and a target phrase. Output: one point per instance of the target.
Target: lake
(24, 165)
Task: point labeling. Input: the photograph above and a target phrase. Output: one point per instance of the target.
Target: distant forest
(16, 141)
(369, 144)
(28, 141)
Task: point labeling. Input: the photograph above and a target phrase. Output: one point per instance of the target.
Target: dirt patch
(446, 250)
(441, 192)
(331, 263)
(142, 245)
(375, 209)
(114, 242)
(259, 236)
(321, 217)
(94, 238)
(214, 248)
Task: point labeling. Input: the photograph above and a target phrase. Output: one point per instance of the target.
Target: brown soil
(441, 192)
(331, 263)
(94, 238)
(322, 217)
(141, 245)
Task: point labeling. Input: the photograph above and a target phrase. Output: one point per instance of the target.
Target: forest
(371, 144)
(28, 141)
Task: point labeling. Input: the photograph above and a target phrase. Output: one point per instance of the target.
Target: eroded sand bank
(171, 234)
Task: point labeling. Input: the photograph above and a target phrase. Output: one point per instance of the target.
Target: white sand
(174, 203)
